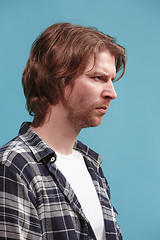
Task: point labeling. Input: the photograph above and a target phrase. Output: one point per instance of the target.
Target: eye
(99, 78)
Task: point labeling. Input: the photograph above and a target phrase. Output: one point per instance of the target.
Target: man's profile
(52, 185)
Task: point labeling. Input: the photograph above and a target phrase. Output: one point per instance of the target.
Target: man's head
(57, 57)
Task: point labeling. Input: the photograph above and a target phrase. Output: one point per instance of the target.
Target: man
(52, 185)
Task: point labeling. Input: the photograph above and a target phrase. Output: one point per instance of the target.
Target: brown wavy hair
(56, 57)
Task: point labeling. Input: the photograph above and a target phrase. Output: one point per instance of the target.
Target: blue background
(128, 139)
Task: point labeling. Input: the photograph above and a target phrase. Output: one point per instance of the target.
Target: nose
(109, 91)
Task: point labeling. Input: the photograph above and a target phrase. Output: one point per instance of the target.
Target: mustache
(97, 104)
(103, 104)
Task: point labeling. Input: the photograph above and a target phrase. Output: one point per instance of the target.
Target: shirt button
(52, 159)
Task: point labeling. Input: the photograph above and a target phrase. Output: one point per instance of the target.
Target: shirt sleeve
(18, 214)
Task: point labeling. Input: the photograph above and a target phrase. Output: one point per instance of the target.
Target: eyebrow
(101, 73)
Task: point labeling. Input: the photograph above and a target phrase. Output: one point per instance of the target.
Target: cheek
(82, 92)
(87, 89)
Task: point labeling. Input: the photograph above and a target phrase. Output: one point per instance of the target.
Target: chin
(94, 123)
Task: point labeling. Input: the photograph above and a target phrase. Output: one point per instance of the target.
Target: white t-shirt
(75, 171)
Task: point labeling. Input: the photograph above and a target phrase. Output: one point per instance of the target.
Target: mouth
(102, 109)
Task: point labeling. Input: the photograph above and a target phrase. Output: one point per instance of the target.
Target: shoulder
(8, 148)
(14, 154)
(18, 164)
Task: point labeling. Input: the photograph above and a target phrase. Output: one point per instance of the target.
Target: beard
(83, 114)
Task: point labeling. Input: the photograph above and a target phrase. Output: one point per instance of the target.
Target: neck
(57, 133)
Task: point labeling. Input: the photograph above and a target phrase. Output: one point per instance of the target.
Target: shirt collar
(41, 150)
(86, 151)
(37, 146)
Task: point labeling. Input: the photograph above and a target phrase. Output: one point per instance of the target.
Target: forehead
(103, 61)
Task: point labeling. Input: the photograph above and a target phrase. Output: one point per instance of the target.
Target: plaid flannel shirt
(37, 202)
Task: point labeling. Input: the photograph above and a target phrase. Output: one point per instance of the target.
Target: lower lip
(102, 110)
